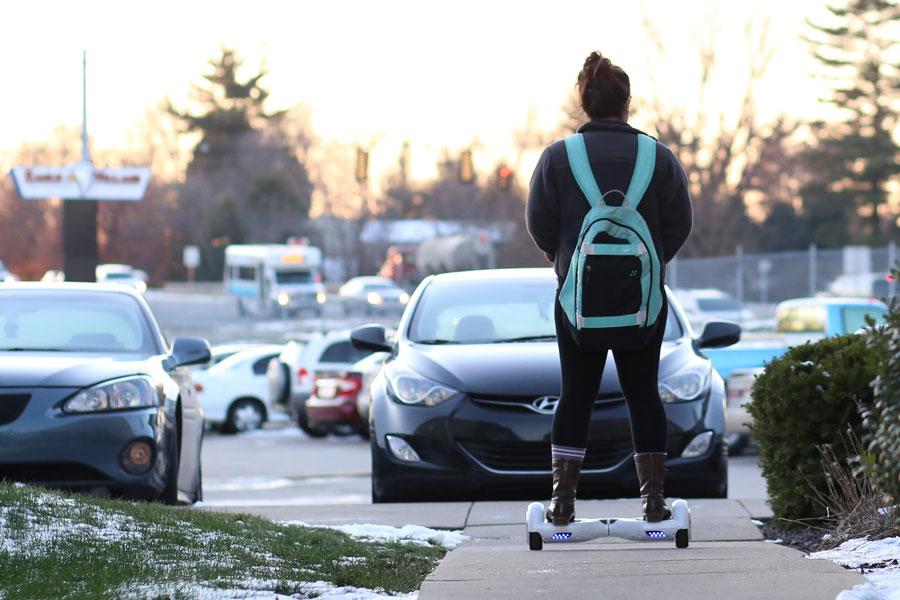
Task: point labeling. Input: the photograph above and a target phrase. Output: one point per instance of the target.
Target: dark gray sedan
(93, 397)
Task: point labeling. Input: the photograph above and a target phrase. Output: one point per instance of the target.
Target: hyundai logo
(546, 405)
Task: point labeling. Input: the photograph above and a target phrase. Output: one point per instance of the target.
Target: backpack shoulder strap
(644, 165)
(581, 169)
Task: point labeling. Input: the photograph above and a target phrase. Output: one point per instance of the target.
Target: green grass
(57, 545)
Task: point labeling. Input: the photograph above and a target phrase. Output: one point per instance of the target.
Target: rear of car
(291, 376)
(332, 406)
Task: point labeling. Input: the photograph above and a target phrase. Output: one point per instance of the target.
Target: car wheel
(310, 429)
(737, 443)
(170, 494)
(245, 414)
(382, 491)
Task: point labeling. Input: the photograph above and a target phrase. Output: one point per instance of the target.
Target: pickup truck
(797, 322)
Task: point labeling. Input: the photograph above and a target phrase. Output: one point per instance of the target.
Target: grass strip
(59, 545)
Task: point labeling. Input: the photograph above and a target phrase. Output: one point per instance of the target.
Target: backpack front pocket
(611, 286)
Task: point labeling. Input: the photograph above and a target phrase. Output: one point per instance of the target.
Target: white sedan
(234, 392)
(370, 295)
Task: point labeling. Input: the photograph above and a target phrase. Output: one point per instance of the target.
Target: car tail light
(350, 385)
(318, 278)
(302, 375)
(337, 386)
(198, 387)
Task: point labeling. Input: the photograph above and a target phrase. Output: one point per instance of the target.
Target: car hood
(45, 369)
(519, 369)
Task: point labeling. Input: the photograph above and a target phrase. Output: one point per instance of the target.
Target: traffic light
(504, 176)
(466, 170)
(362, 165)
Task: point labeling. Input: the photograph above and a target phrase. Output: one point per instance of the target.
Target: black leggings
(581, 373)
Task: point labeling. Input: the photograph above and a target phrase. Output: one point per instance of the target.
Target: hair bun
(604, 88)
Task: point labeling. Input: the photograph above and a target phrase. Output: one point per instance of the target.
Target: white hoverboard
(583, 530)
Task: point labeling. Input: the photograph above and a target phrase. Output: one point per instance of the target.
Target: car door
(191, 434)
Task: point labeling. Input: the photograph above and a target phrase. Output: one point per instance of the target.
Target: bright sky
(439, 74)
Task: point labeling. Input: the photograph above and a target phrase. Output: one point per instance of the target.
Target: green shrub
(881, 419)
(805, 399)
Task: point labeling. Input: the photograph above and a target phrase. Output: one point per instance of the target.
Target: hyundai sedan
(463, 408)
(92, 396)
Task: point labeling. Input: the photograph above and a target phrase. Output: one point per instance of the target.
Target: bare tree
(725, 158)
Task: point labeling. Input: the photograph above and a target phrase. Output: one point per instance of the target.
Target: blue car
(93, 397)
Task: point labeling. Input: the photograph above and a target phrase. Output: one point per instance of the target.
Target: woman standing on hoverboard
(556, 211)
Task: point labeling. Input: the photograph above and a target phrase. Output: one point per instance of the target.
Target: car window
(293, 277)
(855, 316)
(261, 365)
(342, 352)
(801, 319)
(487, 311)
(74, 321)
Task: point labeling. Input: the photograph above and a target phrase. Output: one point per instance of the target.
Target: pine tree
(855, 158)
(230, 107)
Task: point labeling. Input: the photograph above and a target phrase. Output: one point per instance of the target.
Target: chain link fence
(775, 276)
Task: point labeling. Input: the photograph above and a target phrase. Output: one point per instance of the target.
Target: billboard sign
(81, 181)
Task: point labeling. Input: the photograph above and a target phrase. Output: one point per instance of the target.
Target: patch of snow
(882, 583)
(408, 534)
(295, 501)
(756, 522)
(856, 552)
(247, 483)
(257, 589)
(349, 561)
(778, 541)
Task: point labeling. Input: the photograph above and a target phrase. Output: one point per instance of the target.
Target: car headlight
(321, 297)
(408, 387)
(687, 384)
(283, 298)
(122, 394)
(374, 298)
(404, 298)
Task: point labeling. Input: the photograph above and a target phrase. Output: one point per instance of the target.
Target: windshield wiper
(25, 349)
(526, 338)
(436, 342)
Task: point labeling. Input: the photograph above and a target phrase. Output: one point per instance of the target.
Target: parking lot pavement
(281, 467)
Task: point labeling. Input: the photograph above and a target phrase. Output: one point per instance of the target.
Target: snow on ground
(882, 560)
(409, 534)
(257, 589)
(45, 526)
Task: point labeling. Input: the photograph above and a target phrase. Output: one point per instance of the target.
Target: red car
(332, 405)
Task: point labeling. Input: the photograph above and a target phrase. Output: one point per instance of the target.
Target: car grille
(11, 406)
(520, 403)
(49, 473)
(521, 457)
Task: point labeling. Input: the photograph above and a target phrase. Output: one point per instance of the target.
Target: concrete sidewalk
(727, 558)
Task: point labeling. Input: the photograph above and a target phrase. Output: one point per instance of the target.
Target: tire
(381, 492)
(310, 429)
(170, 494)
(737, 443)
(682, 539)
(535, 542)
(245, 414)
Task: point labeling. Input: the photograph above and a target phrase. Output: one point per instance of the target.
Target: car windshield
(379, 285)
(111, 276)
(74, 321)
(717, 304)
(478, 312)
(293, 277)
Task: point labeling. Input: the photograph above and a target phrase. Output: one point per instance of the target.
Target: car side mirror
(719, 334)
(188, 351)
(370, 338)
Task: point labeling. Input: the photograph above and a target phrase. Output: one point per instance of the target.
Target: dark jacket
(556, 207)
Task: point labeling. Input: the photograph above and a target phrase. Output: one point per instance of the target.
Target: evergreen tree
(854, 159)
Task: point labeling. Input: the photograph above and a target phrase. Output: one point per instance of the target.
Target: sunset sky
(439, 74)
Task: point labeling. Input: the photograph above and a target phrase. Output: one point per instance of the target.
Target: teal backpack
(614, 275)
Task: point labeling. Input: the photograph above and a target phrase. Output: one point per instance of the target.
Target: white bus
(274, 279)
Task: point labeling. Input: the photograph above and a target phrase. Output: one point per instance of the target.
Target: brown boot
(566, 472)
(651, 472)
